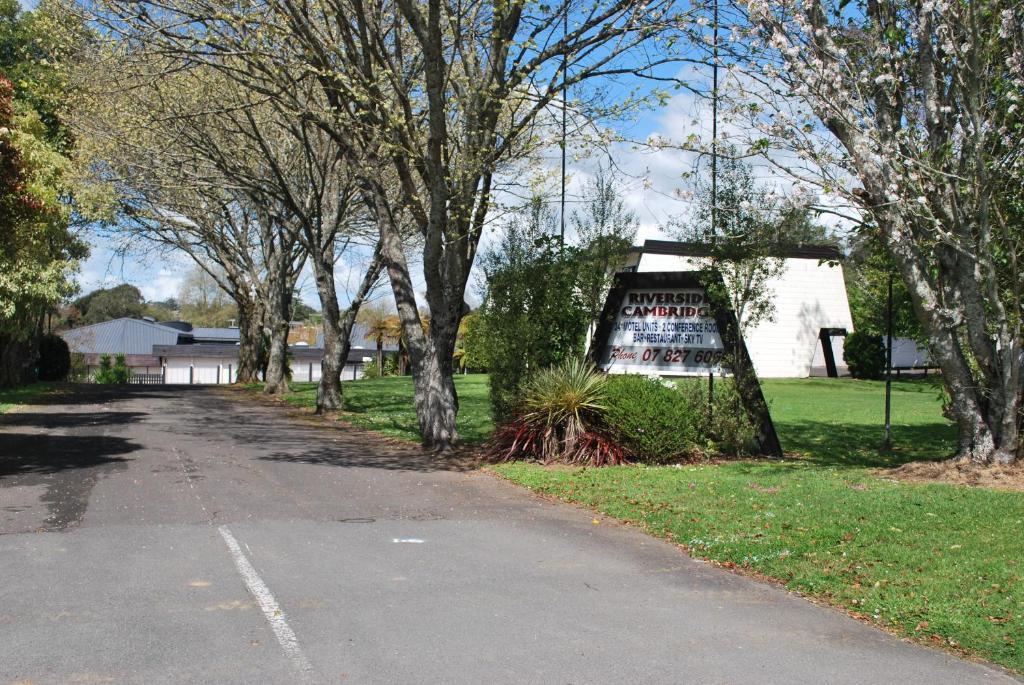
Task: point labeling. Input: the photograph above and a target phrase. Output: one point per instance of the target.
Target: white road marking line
(271, 609)
(415, 541)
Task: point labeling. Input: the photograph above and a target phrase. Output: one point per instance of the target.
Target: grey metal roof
(204, 335)
(196, 350)
(124, 336)
(360, 340)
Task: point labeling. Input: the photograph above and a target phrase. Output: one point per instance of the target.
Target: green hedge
(54, 358)
(865, 355)
(653, 421)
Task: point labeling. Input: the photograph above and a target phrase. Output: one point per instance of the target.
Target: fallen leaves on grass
(1009, 477)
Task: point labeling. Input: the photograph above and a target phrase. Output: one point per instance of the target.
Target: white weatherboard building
(809, 295)
(175, 352)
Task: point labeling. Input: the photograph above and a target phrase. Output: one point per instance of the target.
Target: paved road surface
(172, 535)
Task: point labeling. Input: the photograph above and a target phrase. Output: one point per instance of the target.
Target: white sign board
(663, 331)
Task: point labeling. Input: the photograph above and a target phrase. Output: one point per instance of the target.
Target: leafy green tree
(531, 312)
(54, 358)
(164, 310)
(38, 249)
(302, 311)
(104, 304)
(202, 301)
(605, 230)
(867, 272)
(471, 345)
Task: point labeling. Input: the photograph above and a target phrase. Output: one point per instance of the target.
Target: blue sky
(649, 182)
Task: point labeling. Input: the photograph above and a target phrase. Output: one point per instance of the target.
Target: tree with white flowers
(911, 113)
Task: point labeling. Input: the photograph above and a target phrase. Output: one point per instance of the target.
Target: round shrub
(865, 355)
(653, 421)
(54, 358)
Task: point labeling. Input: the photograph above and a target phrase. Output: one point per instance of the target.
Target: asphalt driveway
(175, 535)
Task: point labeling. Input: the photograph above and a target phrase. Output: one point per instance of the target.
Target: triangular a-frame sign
(665, 324)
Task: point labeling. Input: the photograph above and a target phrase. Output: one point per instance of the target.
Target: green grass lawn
(385, 405)
(941, 563)
(840, 422)
(12, 397)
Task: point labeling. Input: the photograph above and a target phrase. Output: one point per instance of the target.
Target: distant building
(179, 353)
(361, 339)
(811, 307)
(134, 338)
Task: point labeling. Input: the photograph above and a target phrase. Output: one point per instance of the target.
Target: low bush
(654, 420)
(730, 430)
(54, 358)
(865, 355)
(370, 369)
(112, 371)
(573, 414)
(561, 419)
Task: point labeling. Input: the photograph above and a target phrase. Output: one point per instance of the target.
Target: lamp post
(565, 122)
(888, 370)
(714, 124)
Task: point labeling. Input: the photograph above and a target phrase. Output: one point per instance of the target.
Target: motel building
(175, 352)
(812, 312)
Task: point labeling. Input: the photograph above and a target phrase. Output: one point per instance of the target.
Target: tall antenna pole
(565, 109)
(714, 124)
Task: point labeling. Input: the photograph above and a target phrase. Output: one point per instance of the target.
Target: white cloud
(650, 180)
(157, 275)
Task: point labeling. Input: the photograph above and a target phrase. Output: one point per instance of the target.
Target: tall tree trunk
(338, 326)
(437, 403)
(278, 315)
(250, 343)
(403, 357)
(328, 391)
(984, 395)
(978, 420)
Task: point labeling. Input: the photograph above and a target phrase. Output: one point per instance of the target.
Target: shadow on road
(71, 420)
(24, 453)
(72, 394)
(383, 456)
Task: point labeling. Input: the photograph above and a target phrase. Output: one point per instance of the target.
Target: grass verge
(12, 397)
(385, 405)
(943, 564)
